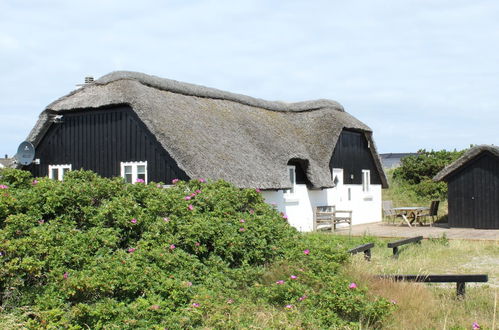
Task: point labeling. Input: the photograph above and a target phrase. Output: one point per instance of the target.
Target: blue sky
(421, 74)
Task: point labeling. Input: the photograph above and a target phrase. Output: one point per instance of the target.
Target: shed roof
(465, 159)
(221, 135)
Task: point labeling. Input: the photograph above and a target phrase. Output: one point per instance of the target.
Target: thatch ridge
(221, 135)
(464, 159)
(213, 93)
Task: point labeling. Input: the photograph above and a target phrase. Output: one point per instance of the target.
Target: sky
(422, 74)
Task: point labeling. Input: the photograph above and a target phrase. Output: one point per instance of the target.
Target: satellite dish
(25, 153)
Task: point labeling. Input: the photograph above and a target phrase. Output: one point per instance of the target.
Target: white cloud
(433, 63)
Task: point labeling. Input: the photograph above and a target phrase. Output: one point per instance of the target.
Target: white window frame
(366, 180)
(291, 192)
(60, 171)
(134, 166)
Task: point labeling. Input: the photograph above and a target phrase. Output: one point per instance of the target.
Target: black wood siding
(353, 155)
(474, 194)
(99, 140)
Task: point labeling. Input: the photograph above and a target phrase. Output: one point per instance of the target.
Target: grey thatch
(220, 135)
(464, 159)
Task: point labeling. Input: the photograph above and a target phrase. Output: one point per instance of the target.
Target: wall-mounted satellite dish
(25, 153)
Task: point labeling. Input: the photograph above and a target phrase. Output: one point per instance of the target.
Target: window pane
(141, 169)
(55, 174)
(141, 176)
(128, 178)
(128, 170)
(64, 171)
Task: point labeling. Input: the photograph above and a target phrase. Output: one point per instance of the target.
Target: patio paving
(383, 229)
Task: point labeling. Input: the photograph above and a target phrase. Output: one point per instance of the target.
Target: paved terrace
(383, 229)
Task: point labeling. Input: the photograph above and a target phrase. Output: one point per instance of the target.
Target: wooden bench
(328, 217)
(460, 280)
(366, 248)
(396, 244)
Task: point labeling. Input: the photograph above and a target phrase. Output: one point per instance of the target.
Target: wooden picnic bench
(366, 248)
(395, 245)
(460, 280)
(327, 216)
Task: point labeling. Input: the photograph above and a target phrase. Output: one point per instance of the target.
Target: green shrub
(419, 170)
(100, 253)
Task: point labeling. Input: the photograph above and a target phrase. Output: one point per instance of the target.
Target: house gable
(352, 153)
(99, 140)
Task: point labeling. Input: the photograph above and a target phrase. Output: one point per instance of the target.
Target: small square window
(134, 171)
(57, 172)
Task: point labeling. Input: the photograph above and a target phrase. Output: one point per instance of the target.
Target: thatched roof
(221, 135)
(464, 159)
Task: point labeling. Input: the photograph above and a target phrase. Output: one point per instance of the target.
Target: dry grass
(435, 306)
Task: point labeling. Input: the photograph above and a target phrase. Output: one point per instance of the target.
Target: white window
(57, 172)
(134, 171)
(366, 180)
(292, 178)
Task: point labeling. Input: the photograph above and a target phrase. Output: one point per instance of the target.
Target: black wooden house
(142, 127)
(473, 182)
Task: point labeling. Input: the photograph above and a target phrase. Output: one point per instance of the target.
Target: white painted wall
(366, 206)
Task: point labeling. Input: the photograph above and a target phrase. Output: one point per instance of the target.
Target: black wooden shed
(473, 182)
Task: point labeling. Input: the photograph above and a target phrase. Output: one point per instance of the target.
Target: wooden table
(410, 212)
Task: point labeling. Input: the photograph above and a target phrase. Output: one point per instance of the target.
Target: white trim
(292, 179)
(60, 171)
(366, 180)
(134, 170)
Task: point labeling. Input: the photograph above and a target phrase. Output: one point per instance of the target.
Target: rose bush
(99, 253)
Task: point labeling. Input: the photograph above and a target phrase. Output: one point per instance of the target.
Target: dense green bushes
(95, 252)
(419, 170)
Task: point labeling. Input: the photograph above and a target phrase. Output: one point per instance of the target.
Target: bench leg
(460, 289)
(367, 255)
(395, 252)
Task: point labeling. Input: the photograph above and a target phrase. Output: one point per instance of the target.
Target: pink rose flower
(285, 217)
(154, 307)
(230, 301)
(188, 284)
(193, 194)
(166, 219)
(279, 282)
(140, 181)
(307, 252)
(190, 207)
(2, 186)
(289, 307)
(41, 222)
(352, 286)
(172, 247)
(475, 326)
(257, 190)
(302, 298)
(202, 180)
(293, 277)
(131, 250)
(242, 229)
(187, 198)
(158, 186)
(197, 244)
(174, 181)
(252, 211)
(35, 182)
(242, 221)
(66, 275)
(195, 305)
(198, 191)
(133, 220)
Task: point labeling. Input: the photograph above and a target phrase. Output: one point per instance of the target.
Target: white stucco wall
(366, 206)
